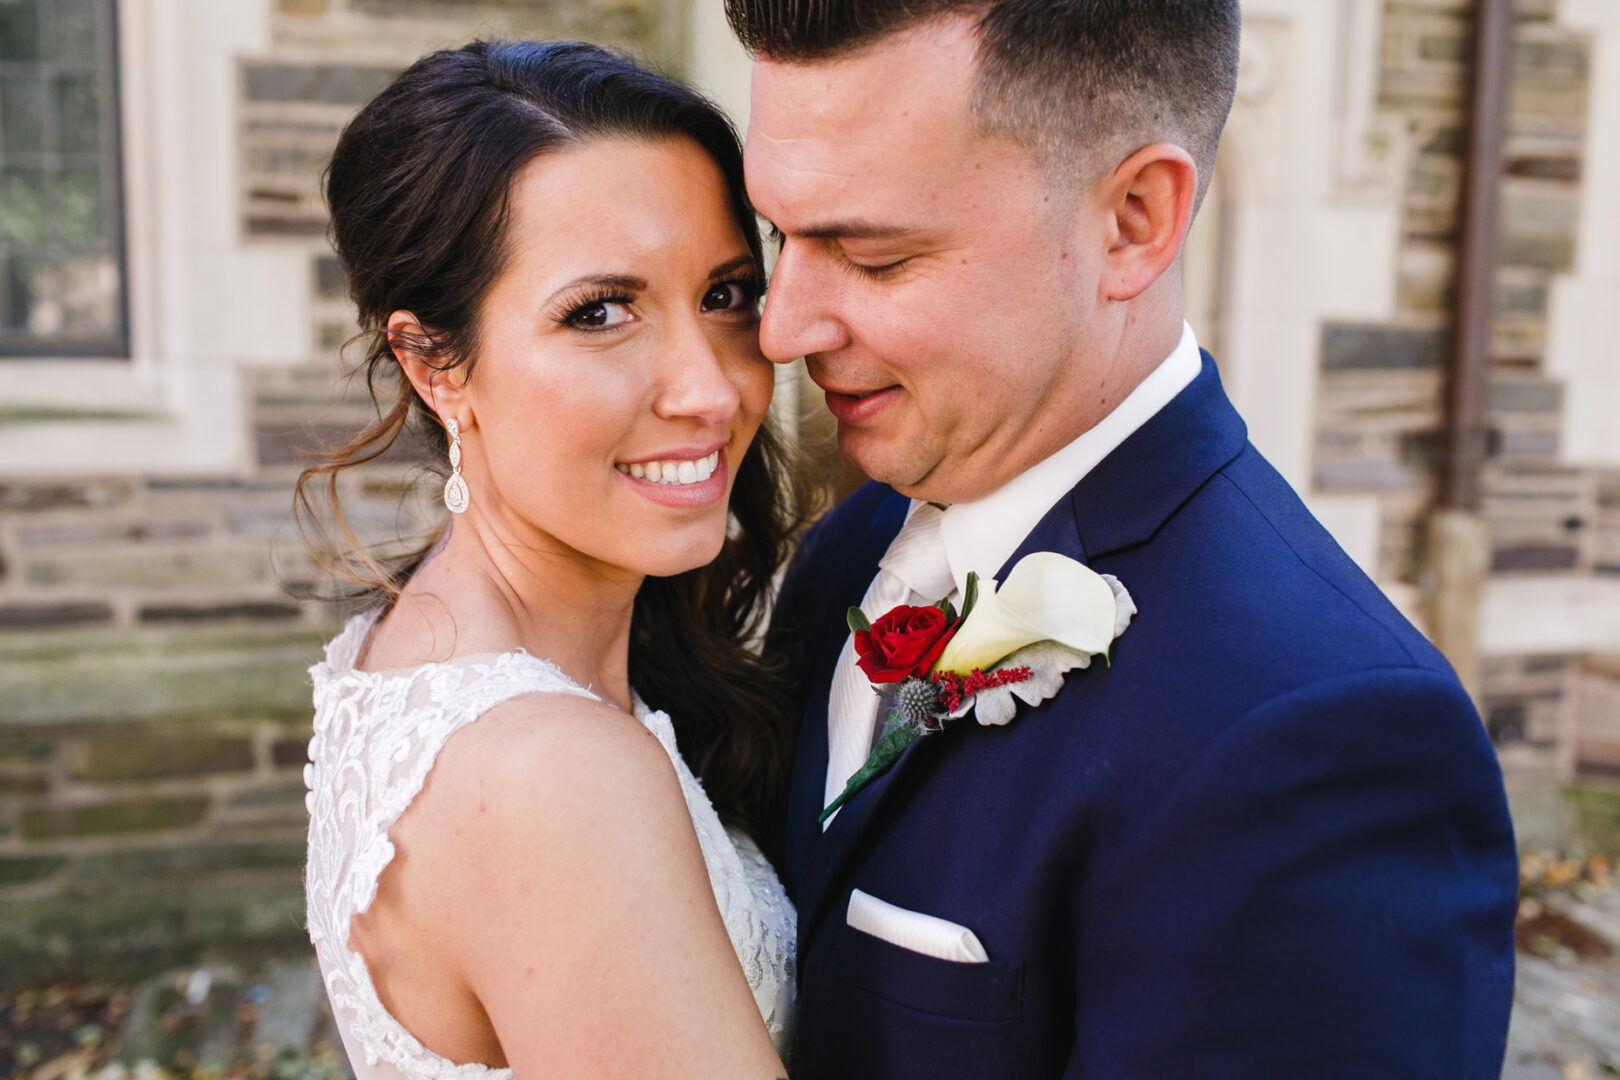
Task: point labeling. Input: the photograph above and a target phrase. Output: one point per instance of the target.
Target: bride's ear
(441, 389)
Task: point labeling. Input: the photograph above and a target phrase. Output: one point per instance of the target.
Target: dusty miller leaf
(1048, 663)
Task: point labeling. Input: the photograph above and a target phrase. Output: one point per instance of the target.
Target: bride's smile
(679, 479)
(618, 371)
(512, 865)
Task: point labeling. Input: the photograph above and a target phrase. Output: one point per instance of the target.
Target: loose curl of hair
(419, 188)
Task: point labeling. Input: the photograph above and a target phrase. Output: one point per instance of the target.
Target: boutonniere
(1012, 642)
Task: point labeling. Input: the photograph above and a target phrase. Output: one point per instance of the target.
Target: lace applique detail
(761, 921)
(377, 735)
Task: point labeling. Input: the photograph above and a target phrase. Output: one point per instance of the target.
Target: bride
(511, 866)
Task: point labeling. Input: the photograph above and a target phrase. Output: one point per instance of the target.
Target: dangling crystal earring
(456, 496)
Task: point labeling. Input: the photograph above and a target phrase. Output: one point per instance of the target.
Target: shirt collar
(983, 534)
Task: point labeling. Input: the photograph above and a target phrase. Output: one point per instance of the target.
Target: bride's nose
(696, 381)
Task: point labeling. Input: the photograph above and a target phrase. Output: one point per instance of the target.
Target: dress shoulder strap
(377, 736)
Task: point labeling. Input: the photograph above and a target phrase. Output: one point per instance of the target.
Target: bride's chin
(681, 554)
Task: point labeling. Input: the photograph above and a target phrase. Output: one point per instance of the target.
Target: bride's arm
(588, 929)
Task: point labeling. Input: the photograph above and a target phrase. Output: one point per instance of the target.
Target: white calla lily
(1046, 597)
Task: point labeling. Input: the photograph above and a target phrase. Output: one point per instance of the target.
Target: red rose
(906, 641)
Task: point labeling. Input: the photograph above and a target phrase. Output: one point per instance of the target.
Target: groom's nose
(800, 316)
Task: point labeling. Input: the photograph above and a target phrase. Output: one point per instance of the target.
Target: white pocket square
(926, 934)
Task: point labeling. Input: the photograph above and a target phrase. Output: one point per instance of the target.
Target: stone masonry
(1380, 404)
(154, 631)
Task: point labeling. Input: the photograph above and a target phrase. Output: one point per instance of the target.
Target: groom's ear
(1150, 197)
(440, 388)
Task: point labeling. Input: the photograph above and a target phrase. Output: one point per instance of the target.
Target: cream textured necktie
(916, 571)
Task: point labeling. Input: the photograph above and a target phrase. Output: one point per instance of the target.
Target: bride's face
(619, 379)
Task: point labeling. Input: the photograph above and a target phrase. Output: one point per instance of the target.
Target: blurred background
(1407, 269)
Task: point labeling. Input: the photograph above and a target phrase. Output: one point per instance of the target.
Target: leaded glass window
(61, 220)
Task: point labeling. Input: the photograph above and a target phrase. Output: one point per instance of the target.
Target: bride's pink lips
(856, 410)
(682, 496)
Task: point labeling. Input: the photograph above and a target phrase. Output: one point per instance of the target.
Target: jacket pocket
(990, 991)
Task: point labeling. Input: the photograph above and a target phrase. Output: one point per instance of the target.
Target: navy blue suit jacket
(1268, 840)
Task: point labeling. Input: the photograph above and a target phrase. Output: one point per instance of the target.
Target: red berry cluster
(955, 689)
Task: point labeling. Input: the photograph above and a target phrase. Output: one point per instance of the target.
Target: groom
(1268, 838)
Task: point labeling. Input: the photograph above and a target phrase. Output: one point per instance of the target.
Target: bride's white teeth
(673, 472)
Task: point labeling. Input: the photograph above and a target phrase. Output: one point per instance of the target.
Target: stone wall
(1380, 404)
(155, 630)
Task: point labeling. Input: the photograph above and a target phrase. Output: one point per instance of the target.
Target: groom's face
(935, 280)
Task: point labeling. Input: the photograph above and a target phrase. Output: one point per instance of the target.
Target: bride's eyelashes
(740, 292)
(605, 308)
(598, 309)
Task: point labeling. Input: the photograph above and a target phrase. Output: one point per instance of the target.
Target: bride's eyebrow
(731, 266)
(624, 282)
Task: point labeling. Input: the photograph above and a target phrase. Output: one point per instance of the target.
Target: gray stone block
(1535, 557)
(61, 495)
(192, 860)
(331, 84)
(1370, 475)
(1354, 345)
(254, 610)
(30, 869)
(158, 672)
(118, 818)
(156, 570)
(128, 531)
(19, 616)
(155, 754)
(118, 929)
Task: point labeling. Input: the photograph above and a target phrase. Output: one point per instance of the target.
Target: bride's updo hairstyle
(418, 188)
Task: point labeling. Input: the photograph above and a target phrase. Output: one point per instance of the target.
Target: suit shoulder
(1313, 586)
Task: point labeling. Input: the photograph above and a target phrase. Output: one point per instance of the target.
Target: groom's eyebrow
(854, 229)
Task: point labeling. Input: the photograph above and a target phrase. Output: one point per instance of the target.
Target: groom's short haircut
(1081, 82)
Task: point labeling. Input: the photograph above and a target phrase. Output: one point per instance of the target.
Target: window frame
(117, 344)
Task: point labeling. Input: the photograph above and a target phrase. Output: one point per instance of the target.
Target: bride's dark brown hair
(418, 188)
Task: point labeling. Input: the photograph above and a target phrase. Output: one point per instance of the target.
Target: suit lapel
(846, 584)
(1123, 501)
(1149, 476)
(1056, 531)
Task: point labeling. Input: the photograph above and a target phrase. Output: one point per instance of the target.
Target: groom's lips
(857, 409)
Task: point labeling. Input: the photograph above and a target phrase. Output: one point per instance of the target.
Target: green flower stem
(885, 753)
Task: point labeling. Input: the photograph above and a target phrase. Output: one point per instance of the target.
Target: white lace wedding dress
(376, 737)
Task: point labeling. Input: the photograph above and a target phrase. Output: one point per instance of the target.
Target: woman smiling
(512, 867)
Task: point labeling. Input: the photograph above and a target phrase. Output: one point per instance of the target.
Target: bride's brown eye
(721, 297)
(607, 314)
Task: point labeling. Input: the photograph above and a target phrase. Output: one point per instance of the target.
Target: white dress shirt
(983, 534)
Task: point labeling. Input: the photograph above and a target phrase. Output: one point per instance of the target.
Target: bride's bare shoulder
(543, 761)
